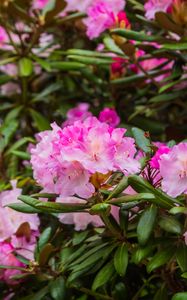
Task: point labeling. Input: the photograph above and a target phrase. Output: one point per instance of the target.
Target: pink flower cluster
(81, 112)
(171, 166)
(69, 156)
(7, 258)
(153, 6)
(102, 15)
(10, 224)
(65, 159)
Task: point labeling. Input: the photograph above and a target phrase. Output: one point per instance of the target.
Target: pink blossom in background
(78, 5)
(122, 20)
(153, 6)
(151, 64)
(109, 116)
(69, 156)
(10, 88)
(173, 169)
(3, 36)
(154, 162)
(80, 219)
(117, 67)
(101, 16)
(7, 258)
(80, 112)
(10, 220)
(39, 4)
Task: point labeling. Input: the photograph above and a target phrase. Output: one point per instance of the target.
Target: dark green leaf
(103, 276)
(57, 288)
(146, 224)
(121, 259)
(170, 224)
(160, 258)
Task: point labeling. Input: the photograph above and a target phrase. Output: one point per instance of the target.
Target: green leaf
(142, 253)
(160, 258)
(136, 36)
(122, 185)
(50, 89)
(141, 140)
(146, 224)
(170, 224)
(165, 97)
(91, 60)
(13, 114)
(132, 198)
(88, 53)
(111, 45)
(45, 254)
(21, 154)
(178, 210)
(181, 256)
(79, 237)
(93, 258)
(38, 295)
(7, 130)
(77, 259)
(44, 238)
(52, 207)
(175, 46)
(19, 144)
(43, 63)
(57, 288)
(25, 67)
(8, 60)
(180, 296)
(103, 276)
(121, 259)
(41, 122)
(141, 185)
(67, 65)
(21, 207)
(162, 293)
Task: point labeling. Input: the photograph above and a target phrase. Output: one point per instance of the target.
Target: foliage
(49, 65)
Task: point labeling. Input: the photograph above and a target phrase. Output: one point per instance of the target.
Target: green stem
(110, 226)
(24, 90)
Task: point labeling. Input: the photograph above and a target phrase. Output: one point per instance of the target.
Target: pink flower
(109, 116)
(69, 156)
(79, 5)
(153, 6)
(80, 219)
(3, 36)
(154, 162)
(10, 88)
(117, 67)
(24, 246)
(10, 220)
(122, 20)
(7, 258)
(101, 16)
(39, 4)
(173, 169)
(80, 112)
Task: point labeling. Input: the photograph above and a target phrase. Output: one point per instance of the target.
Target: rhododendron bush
(93, 149)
